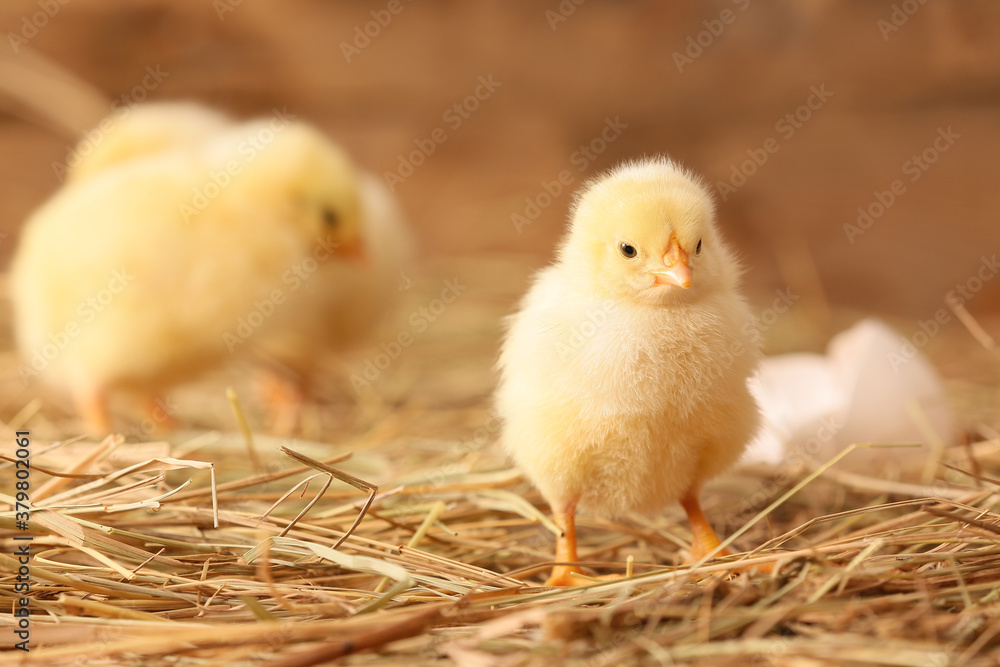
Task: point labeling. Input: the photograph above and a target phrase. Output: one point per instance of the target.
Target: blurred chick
(337, 307)
(624, 375)
(135, 277)
(142, 130)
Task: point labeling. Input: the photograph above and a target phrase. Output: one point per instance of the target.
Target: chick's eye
(330, 218)
(697, 250)
(628, 251)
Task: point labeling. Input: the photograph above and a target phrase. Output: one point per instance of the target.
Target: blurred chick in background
(132, 277)
(332, 309)
(142, 130)
(338, 307)
(624, 375)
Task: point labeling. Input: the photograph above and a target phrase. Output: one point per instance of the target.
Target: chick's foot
(158, 414)
(569, 575)
(93, 407)
(705, 541)
(284, 398)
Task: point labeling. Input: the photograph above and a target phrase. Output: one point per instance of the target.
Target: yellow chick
(142, 130)
(330, 303)
(624, 375)
(137, 276)
(338, 305)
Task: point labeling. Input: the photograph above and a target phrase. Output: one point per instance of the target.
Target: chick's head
(141, 131)
(315, 181)
(645, 232)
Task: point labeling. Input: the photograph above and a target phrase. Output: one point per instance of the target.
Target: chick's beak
(354, 249)
(676, 271)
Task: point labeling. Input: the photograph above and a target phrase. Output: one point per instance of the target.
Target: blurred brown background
(899, 73)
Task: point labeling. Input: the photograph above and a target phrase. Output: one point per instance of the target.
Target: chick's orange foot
(566, 575)
(284, 397)
(572, 576)
(93, 408)
(704, 540)
(158, 416)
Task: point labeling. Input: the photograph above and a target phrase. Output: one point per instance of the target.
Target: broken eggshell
(871, 386)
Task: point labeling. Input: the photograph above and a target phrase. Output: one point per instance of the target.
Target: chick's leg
(566, 575)
(93, 408)
(285, 398)
(159, 418)
(703, 537)
(704, 540)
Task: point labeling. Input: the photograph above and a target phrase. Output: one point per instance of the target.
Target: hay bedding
(192, 552)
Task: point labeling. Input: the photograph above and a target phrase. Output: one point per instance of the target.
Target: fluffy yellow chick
(329, 305)
(143, 130)
(624, 375)
(134, 277)
(338, 305)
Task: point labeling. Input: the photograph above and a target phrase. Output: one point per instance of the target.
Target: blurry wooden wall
(563, 70)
